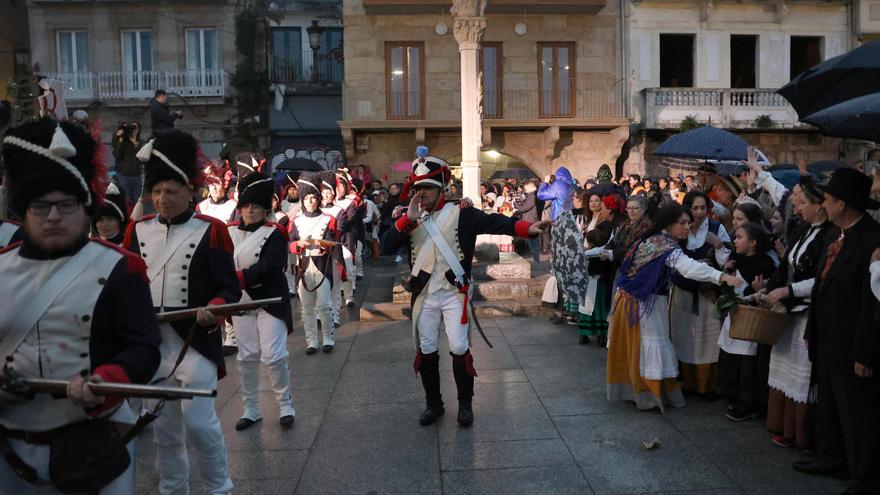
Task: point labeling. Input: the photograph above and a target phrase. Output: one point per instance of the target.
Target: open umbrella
(300, 164)
(706, 143)
(513, 173)
(857, 118)
(835, 80)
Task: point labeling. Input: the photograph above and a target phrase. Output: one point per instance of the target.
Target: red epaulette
(280, 229)
(219, 236)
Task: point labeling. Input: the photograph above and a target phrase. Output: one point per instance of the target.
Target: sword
(479, 327)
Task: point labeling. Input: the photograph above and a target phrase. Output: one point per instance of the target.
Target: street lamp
(315, 43)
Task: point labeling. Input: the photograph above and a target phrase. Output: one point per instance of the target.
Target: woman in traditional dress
(695, 328)
(789, 402)
(596, 305)
(585, 211)
(642, 365)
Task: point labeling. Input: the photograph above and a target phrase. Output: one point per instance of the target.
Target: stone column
(469, 27)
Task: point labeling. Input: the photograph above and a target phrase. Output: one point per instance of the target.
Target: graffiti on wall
(329, 159)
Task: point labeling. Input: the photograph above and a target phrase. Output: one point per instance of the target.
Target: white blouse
(698, 238)
(692, 269)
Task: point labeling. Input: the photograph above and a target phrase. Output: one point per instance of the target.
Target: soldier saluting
(189, 265)
(442, 236)
(70, 309)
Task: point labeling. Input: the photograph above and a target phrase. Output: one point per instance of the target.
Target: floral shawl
(569, 259)
(643, 273)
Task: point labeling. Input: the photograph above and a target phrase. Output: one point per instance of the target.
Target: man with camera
(126, 144)
(161, 117)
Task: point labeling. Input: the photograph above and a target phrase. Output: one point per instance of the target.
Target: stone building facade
(112, 56)
(721, 62)
(552, 86)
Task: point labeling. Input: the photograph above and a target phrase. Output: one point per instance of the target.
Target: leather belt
(45, 437)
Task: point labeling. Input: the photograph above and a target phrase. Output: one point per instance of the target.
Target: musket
(26, 387)
(218, 310)
(324, 243)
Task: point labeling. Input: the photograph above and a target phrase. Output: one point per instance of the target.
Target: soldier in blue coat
(441, 237)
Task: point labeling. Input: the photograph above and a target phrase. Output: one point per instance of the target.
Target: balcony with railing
(666, 108)
(302, 68)
(506, 101)
(123, 86)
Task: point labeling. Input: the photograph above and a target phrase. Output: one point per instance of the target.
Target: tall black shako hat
(247, 163)
(327, 181)
(256, 189)
(114, 206)
(170, 156)
(309, 183)
(45, 156)
(852, 187)
(426, 170)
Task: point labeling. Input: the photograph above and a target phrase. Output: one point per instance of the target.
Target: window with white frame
(73, 51)
(202, 62)
(201, 49)
(137, 51)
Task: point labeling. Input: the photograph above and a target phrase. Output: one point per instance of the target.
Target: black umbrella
(300, 164)
(835, 80)
(857, 118)
(706, 143)
(514, 173)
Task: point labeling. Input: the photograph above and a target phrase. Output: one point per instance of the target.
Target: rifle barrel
(219, 309)
(59, 387)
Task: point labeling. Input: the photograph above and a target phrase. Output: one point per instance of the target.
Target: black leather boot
(464, 372)
(429, 369)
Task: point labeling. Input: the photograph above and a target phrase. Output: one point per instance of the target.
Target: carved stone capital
(469, 31)
(469, 8)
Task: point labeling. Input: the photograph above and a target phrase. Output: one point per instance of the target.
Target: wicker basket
(757, 324)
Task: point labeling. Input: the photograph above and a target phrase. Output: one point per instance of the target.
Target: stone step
(484, 309)
(510, 266)
(498, 290)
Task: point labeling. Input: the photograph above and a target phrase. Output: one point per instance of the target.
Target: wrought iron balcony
(301, 68)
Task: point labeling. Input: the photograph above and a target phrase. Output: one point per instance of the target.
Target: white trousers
(348, 286)
(263, 338)
(442, 305)
(316, 305)
(37, 457)
(196, 418)
(290, 273)
(359, 259)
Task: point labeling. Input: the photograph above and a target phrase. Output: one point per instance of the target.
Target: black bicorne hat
(114, 206)
(309, 183)
(170, 156)
(45, 156)
(256, 189)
